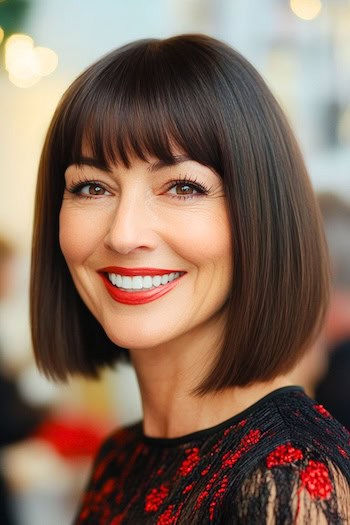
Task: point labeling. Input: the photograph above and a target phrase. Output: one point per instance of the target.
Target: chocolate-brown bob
(195, 93)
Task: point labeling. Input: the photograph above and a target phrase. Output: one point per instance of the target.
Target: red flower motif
(205, 471)
(190, 462)
(188, 488)
(103, 465)
(229, 459)
(117, 519)
(169, 516)
(205, 492)
(321, 410)
(108, 486)
(217, 497)
(283, 455)
(247, 442)
(343, 452)
(315, 479)
(155, 498)
(252, 438)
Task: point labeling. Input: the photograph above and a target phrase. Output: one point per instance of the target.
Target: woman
(176, 227)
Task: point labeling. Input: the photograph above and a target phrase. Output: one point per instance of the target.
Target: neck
(167, 376)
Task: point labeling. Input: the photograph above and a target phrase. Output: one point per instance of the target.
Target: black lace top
(284, 460)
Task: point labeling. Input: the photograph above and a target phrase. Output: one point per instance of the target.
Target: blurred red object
(73, 437)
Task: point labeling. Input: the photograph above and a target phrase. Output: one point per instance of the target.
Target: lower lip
(137, 297)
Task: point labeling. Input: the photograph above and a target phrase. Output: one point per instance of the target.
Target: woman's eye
(90, 190)
(184, 189)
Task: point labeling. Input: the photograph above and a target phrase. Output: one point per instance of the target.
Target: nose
(131, 227)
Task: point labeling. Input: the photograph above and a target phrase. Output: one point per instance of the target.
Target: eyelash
(76, 187)
(200, 188)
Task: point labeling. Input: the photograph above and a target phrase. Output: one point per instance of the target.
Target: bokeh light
(306, 9)
(1, 34)
(46, 59)
(27, 64)
(17, 48)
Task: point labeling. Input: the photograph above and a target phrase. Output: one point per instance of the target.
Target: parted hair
(198, 94)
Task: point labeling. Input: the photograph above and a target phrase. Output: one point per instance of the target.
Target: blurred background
(302, 49)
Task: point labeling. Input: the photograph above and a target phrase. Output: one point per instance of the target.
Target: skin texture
(143, 217)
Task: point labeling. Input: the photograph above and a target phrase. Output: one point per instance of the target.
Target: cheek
(206, 239)
(76, 236)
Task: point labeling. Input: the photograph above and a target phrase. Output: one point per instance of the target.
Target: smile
(139, 282)
(135, 286)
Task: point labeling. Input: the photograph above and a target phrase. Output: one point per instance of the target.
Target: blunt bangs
(144, 105)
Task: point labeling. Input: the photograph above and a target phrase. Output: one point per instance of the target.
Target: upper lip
(136, 271)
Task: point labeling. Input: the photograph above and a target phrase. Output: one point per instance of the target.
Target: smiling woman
(176, 227)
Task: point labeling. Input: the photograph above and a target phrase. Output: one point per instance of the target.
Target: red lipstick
(136, 297)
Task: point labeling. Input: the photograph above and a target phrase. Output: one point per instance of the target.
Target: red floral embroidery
(103, 465)
(190, 462)
(343, 452)
(155, 498)
(108, 486)
(205, 471)
(283, 455)
(205, 493)
(229, 459)
(315, 479)
(252, 438)
(321, 410)
(218, 497)
(169, 516)
(188, 488)
(117, 519)
(84, 513)
(247, 442)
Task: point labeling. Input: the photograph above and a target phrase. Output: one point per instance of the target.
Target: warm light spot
(306, 9)
(16, 47)
(24, 65)
(47, 60)
(27, 64)
(24, 82)
(1, 34)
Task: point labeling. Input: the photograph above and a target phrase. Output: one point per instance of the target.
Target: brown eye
(184, 189)
(91, 189)
(95, 189)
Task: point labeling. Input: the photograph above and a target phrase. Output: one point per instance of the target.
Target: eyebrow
(90, 161)
(160, 164)
(153, 167)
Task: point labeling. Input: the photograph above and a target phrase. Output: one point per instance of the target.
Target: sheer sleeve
(311, 492)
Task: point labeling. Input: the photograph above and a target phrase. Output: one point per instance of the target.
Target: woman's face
(148, 248)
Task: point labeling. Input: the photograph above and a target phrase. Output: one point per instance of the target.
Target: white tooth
(147, 281)
(156, 280)
(177, 274)
(172, 276)
(164, 278)
(137, 283)
(119, 281)
(126, 282)
(111, 277)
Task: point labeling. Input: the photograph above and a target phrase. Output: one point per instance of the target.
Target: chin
(136, 339)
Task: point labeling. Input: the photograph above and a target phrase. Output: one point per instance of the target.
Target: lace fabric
(284, 460)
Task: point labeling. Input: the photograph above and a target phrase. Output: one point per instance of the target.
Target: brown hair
(199, 94)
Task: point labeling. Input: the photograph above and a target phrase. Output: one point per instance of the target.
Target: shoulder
(114, 450)
(299, 471)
